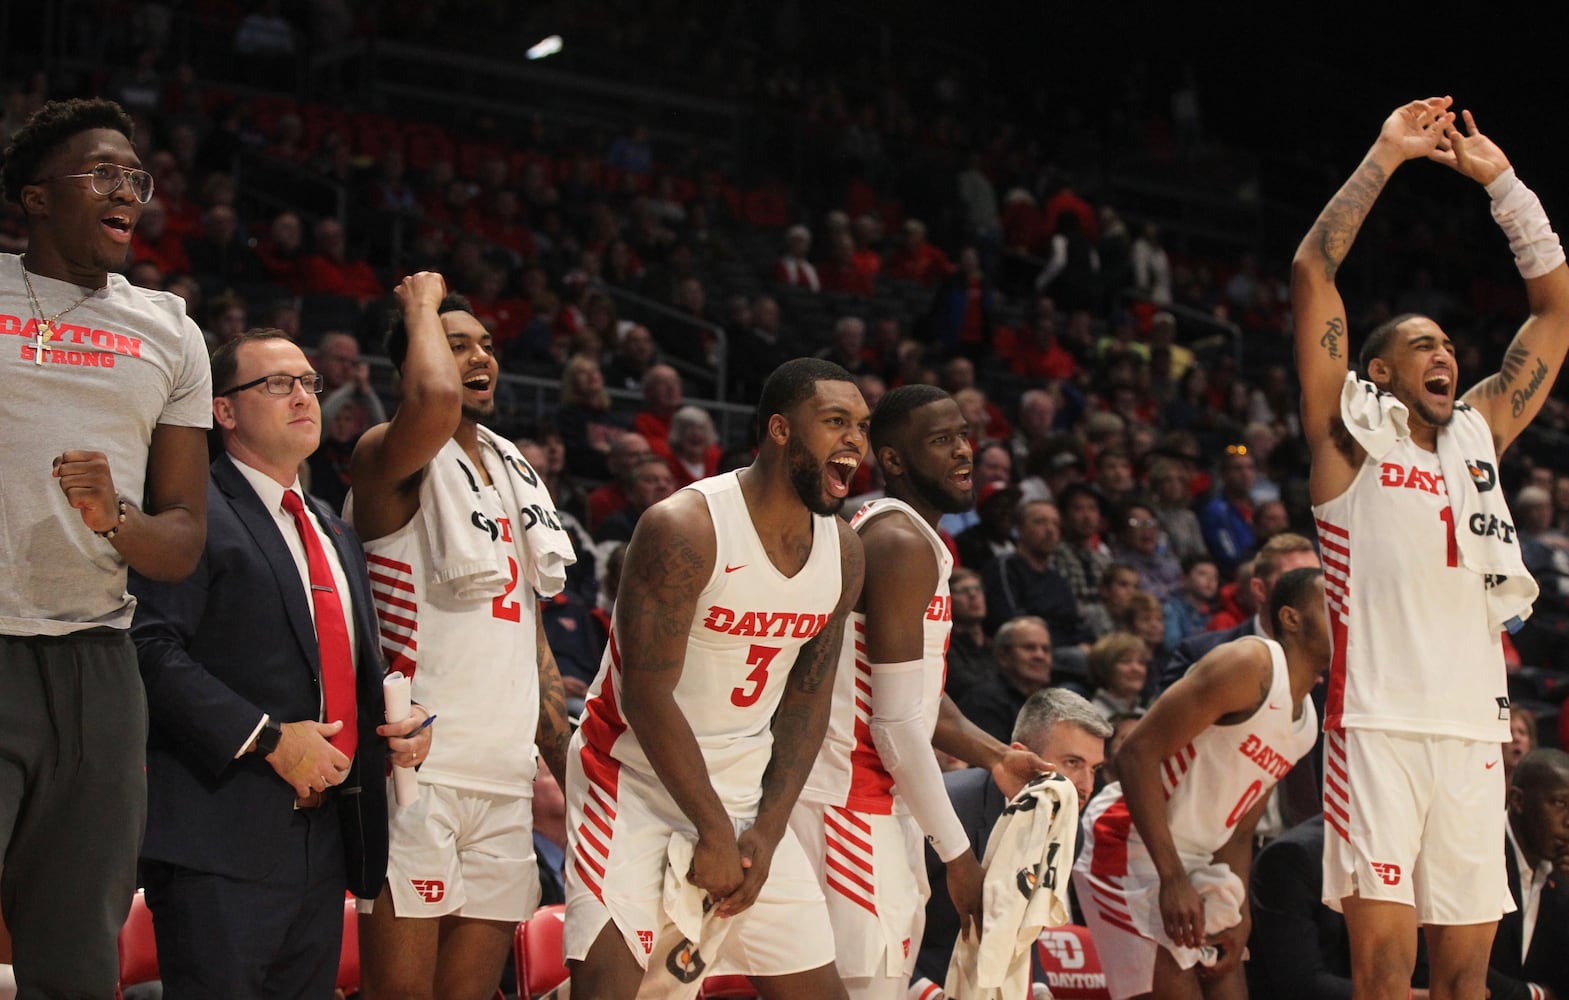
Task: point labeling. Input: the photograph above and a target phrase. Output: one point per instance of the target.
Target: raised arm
(1322, 341)
(390, 455)
(1511, 399)
(1231, 680)
(800, 722)
(668, 562)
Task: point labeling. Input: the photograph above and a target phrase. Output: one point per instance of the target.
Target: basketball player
(876, 786)
(1423, 573)
(710, 706)
(1194, 777)
(461, 871)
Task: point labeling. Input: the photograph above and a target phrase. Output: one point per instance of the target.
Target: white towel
(1224, 896)
(463, 555)
(690, 936)
(1028, 861)
(1485, 533)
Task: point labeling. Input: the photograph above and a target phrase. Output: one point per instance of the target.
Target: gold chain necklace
(46, 331)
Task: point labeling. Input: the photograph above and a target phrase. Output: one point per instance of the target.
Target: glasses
(1142, 522)
(966, 588)
(1236, 449)
(107, 178)
(281, 385)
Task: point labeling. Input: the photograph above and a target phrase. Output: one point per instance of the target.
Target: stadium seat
(537, 949)
(138, 947)
(728, 988)
(349, 957)
(1072, 967)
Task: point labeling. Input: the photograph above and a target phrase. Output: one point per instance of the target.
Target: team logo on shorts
(1387, 873)
(646, 939)
(431, 890)
(685, 962)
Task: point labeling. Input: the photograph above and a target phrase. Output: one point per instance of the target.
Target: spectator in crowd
(1522, 739)
(636, 354)
(794, 269)
(1036, 423)
(1118, 666)
(626, 448)
(1082, 557)
(993, 463)
(1023, 582)
(841, 273)
(282, 253)
(918, 260)
(226, 318)
(153, 241)
(663, 394)
(868, 233)
(694, 446)
(964, 307)
(587, 424)
(1227, 520)
(1024, 657)
(220, 255)
(1142, 615)
(992, 535)
(1061, 727)
(1117, 584)
(1152, 266)
(1188, 609)
(1139, 545)
(331, 271)
(652, 481)
(970, 658)
(849, 340)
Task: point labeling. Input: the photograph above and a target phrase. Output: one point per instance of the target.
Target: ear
(1290, 619)
(35, 200)
(223, 412)
(779, 429)
(891, 461)
(1516, 799)
(1378, 371)
(1260, 595)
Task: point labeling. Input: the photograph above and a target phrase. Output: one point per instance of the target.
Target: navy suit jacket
(1190, 650)
(217, 650)
(1547, 963)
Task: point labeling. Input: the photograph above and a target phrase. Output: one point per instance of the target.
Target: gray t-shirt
(122, 362)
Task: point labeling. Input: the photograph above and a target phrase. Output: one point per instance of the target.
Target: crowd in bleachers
(1132, 459)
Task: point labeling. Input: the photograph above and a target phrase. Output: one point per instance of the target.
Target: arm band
(1519, 213)
(904, 743)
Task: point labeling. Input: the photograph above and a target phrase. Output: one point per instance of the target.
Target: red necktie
(332, 633)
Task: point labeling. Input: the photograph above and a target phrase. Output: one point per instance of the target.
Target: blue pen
(415, 731)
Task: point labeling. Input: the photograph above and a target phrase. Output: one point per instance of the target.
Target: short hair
(226, 356)
(1108, 651)
(962, 571)
(1139, 603)
(690, 414)
(1541, 770)
(791, 384)
(1267, 563)
(1292, 590)
(1051, 706)
(893, 411)
(50, 127)
(397, 340)
(1193, 560)
(1377, 342)
(1073, 491)
(1004, 637)
(1118, 567)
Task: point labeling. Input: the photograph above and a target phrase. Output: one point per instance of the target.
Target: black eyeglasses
(107, 178)
(1236, 449)
(281, 385)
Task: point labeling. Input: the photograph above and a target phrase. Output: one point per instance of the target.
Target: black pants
(73, 805)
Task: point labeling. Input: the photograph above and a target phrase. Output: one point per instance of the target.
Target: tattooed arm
(668, 562)
(1322, 345)
(800, 723)
(554, 731)
(1511, 399)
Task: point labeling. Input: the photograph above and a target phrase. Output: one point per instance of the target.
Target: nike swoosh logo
(1275, 708)
(732, 569)
(1491, 765)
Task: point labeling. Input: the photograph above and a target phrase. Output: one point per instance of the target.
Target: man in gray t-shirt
(105, 394)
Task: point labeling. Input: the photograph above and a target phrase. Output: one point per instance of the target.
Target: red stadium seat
(537, 948)
(1072, 966)
(349, 957)
(138, 948)
(727, 987)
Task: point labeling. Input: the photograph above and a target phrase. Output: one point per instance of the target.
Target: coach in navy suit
(1531, 946)
(260, 815)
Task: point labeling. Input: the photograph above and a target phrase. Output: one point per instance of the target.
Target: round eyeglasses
(281, 385)
(107, 177)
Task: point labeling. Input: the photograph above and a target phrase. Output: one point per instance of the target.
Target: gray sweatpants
(73, 805)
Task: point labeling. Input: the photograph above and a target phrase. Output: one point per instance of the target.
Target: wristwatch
(267, 737)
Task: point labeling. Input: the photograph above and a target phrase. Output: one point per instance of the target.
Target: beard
(1418, 403)
(806, 475)
(478, 413)
(935, 493)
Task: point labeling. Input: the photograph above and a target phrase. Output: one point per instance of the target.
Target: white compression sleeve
(1519, 213)
(905, 745)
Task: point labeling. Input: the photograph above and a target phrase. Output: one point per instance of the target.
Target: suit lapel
(258, 520)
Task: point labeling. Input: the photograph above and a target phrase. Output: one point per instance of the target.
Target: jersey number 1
(758, 657)
(1446, 514)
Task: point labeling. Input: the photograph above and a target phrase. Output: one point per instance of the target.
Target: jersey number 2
(758, 657)
(502, 605)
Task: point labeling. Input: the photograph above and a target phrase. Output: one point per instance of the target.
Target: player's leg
(821, 982)
(1383, 947)
(1172, 982)
(400, 938)
(397, 954)
(609, 970)
(1231, 986)
(787, 928)
(1457, 960)
(471, 957)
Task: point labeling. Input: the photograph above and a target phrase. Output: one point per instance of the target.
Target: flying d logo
(1483, 475)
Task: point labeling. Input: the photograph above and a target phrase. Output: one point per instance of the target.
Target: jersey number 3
(758, 658)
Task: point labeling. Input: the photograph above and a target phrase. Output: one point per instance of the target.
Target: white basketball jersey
(472, 662)
(751, 621)
(1211, 782)
(848, 771)
(1413, 648)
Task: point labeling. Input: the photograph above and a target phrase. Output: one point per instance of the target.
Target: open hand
(1015, 768)
(1470, 152)
(1415, 129)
